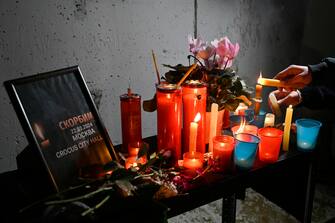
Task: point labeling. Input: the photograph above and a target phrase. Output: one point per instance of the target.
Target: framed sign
(61, 123)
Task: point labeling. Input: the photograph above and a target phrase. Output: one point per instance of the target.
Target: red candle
(169, 118)
(194, 101)
(223, 147)
(130, 119)
(270, 142)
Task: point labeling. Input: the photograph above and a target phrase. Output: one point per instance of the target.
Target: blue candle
(245, 150)
(307, 133)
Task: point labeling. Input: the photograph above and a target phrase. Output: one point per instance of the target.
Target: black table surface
(287, 182)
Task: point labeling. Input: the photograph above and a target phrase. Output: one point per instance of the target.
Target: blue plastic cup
(245, 150)
(307, 133)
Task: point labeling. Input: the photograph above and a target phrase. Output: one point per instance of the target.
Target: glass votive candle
(193, 160)
(269, 145)
(307, 133)
(245, 150)
(133, 161)
(223, 147)
(250, 129)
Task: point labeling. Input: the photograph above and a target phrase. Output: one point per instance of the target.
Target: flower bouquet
(215, 60)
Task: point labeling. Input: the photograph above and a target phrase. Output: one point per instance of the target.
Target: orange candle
(222, 151)
(193, 161)
(194, 101)
(270, 143)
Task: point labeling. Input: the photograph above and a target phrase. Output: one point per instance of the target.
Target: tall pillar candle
(169, 118)
(194, 101)
(213, 125)
(130, 119)
(287, 128)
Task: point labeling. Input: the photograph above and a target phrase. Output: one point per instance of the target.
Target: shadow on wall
(319, 34)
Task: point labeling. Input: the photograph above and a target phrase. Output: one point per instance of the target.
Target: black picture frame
(61, 123)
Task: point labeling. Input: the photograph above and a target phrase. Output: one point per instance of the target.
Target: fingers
(292, 98)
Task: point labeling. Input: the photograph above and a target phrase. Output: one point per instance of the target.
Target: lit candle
(213, 125)
(287, 127)
(243, 128)
(258, 96)
(270, 82)
(133, 161)
(194, 101)
(193, 160)
(274, 104)
(269, 120)
(258, 93)
(193, 133)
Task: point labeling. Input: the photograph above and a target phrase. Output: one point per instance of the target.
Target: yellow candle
(287, 128)
(270, 82)
(193, 133)
(213, 125)
(269, 120)
(258, 94)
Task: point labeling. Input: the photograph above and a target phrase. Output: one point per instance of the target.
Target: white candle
(269, 120)
(213, 125)
(193, 134)
(287, 127)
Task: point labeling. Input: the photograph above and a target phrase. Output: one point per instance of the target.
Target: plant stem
(226, 63)
(201, 64)
(85, 196)
(96, 206)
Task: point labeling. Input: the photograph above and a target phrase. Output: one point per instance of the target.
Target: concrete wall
(111, 40)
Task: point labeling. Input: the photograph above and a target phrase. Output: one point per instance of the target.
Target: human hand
(286, 98)
(295, 77)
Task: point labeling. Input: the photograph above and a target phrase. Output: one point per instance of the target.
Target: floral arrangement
(225, 87)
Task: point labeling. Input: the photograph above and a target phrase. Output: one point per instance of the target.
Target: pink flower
(196, 44)
(226, 51)
(206, 52)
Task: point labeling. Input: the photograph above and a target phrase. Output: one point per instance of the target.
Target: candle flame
(197, 117)
(38, 130)
(259, 78)
(242, 125)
